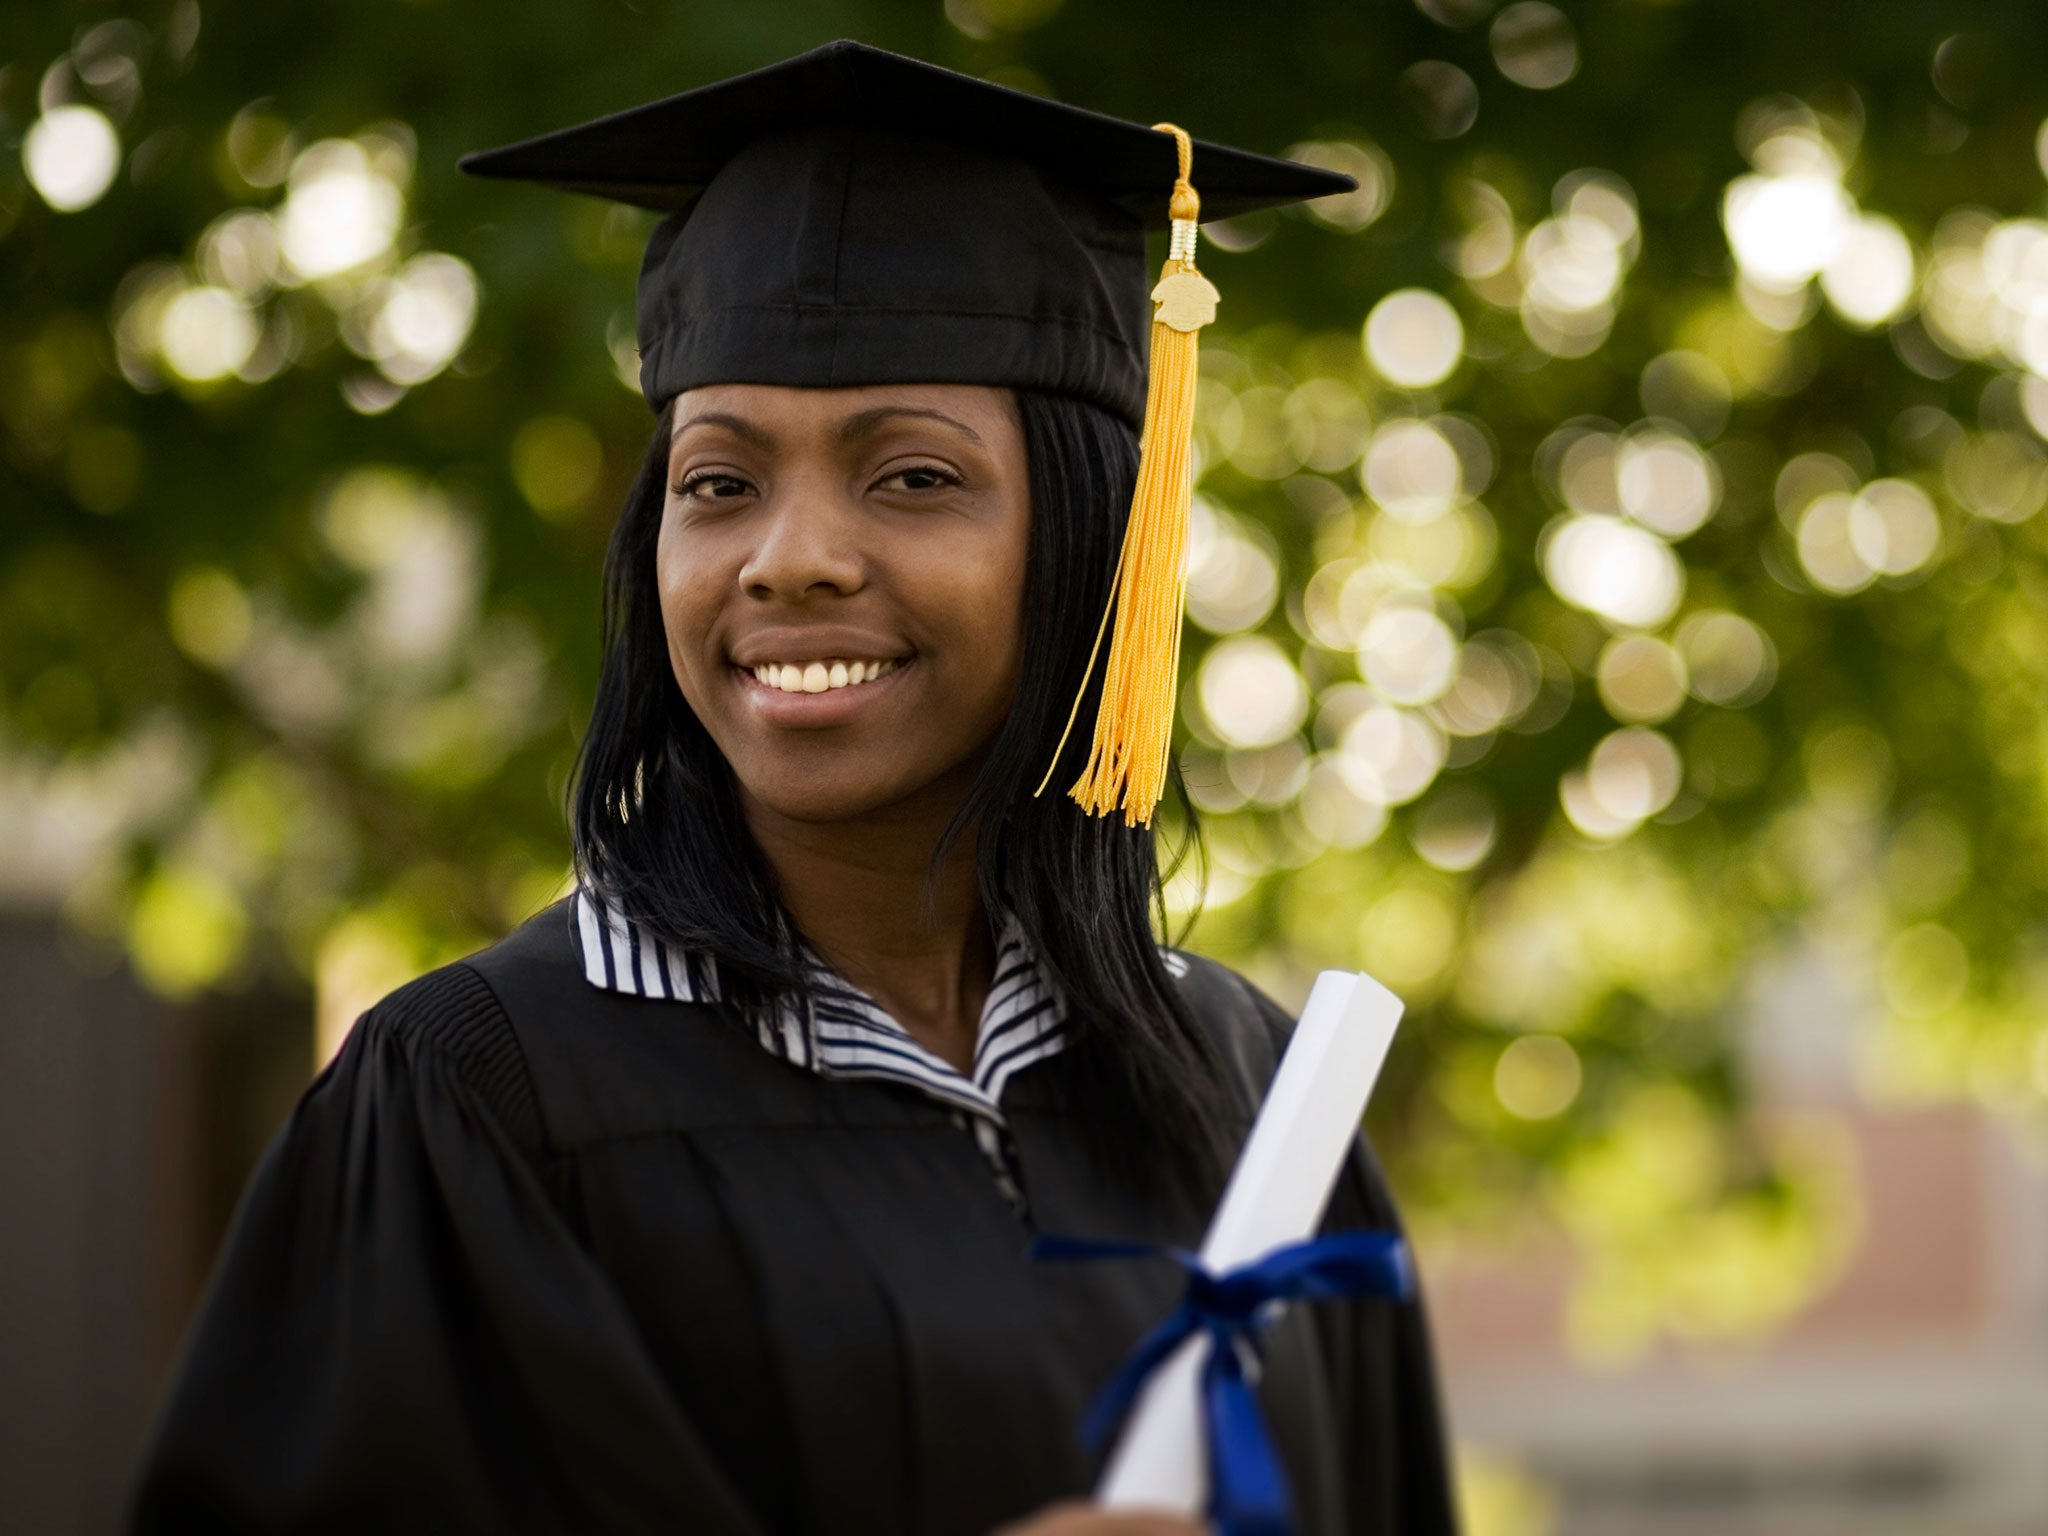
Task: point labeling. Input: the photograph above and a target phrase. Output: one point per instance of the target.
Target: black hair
(658, 833)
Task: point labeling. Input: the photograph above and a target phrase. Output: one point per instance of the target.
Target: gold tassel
(1134, 729)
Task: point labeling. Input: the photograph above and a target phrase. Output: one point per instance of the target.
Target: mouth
(823, 676)
(819, 693)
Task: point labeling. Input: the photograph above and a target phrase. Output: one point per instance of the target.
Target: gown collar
(845, 1033)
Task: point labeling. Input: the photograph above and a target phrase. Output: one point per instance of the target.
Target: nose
(808, 543)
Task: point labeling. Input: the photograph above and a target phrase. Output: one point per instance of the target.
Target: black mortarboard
(852, 217)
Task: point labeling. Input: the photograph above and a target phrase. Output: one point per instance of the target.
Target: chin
(818, 810)
(819, 800)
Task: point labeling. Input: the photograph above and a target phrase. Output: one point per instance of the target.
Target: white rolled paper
(1276, 1195)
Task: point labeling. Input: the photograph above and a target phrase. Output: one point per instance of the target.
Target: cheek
(990, 600)
(1008, 599)
(687, 591)
(1002, 616)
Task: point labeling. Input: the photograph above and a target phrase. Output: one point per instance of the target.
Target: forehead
(978, 412)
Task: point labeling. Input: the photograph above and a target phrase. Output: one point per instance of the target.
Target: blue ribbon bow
(1247, 1492)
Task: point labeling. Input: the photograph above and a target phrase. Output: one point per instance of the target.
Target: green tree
(1619, 557)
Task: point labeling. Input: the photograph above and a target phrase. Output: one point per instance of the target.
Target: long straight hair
(658, 832)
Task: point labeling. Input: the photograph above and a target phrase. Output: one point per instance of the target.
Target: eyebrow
(739, 426)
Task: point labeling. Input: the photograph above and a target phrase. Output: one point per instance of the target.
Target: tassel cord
(1133, 733)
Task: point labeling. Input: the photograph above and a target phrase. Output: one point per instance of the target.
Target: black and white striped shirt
(847, 1033)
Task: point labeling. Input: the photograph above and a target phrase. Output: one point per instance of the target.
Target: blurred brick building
(1910, 1397)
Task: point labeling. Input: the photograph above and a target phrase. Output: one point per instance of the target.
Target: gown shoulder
(451, 1018)
(1247, 1028)
(571, 1065)
(404, 1332)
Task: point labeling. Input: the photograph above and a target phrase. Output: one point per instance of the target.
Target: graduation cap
(854, 217)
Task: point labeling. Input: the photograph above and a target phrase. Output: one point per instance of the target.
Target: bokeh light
(1407, 938)
(1632, 775)
(1925, 971)
(1728, 659)
(556, 462)
(1688, 388)
(1614, 569)
(1664, 482)
(187, 930)
(339, 211)
(1827, 553)
(238, 251)
(1641, 679)
(1537, 1077)
(1408, 654)
(1412, 471)
(1392, 753)
(210, 616)
(1442, 100)
(1455, 829)
(1364, 163)
(1500, 676)
(70, 155)
(1251, 693)
(1893, 528)
(1869, 277)
(1340, 806)
(1414, 338)
(1571, 265)
(420, 553)
(206, 333)
(415, 321)
(1534, 45)
(1787, 221)
(1233, 578)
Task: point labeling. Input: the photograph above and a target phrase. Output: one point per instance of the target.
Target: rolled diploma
(1276, 1195)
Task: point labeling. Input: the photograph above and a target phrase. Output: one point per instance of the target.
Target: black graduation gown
(530, 1255)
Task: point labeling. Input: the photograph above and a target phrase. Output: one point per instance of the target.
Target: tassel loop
(1185, 205)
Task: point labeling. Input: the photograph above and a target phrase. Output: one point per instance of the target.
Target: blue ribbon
(1247, 1491)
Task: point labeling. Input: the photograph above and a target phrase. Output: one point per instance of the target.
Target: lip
(814, 711)
(814, 642)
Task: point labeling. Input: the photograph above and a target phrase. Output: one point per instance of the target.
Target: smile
(821, 676)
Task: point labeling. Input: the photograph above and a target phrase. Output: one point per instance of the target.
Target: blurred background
(1620, 623)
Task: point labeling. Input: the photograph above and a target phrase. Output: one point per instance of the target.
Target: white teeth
(821, 676)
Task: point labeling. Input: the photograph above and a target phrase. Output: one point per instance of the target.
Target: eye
(716, 486)
(923, 477)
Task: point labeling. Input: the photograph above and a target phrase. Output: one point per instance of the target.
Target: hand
(1078, 1517)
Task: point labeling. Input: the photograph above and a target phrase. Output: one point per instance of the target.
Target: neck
(857, 892)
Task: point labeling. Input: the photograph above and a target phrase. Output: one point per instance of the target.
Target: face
(842, 576)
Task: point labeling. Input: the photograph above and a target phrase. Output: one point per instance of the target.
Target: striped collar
(846, 1033)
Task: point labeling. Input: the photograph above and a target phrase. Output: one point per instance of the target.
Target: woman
(701, 1201)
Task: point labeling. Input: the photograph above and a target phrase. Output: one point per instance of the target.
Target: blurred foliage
(1619, 563)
